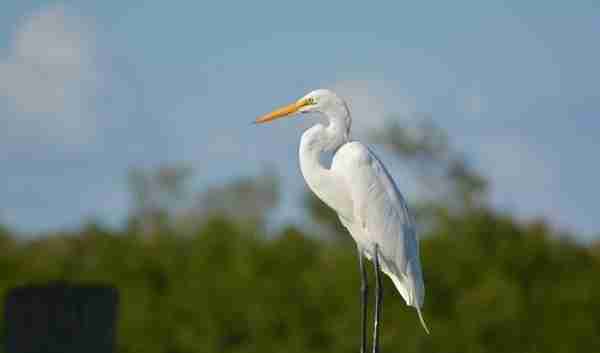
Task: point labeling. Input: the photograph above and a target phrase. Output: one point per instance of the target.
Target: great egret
(362, 192)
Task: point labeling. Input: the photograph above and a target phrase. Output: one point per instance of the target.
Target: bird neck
(320, 139)
(337, 131)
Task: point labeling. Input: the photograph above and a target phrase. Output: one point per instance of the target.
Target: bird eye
(311, 101)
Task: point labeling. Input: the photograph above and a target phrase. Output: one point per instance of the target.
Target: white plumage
(380, 216)
(362, 192)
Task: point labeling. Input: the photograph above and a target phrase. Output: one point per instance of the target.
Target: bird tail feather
(410, 298)
(421, 319)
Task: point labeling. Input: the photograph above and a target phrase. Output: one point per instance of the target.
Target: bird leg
(378, 301)
(364, 287)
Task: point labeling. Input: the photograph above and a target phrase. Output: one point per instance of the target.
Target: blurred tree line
(202, 274)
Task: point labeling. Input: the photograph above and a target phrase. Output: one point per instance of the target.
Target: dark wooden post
(61, 318)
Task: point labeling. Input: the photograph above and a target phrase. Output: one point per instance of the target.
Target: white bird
(362, 192)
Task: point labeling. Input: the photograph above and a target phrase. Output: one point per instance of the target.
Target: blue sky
(90, 89)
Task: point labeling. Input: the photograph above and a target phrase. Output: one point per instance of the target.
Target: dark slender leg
(378, 301)
(364, 288)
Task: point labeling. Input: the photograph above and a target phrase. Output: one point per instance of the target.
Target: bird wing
(381, 217)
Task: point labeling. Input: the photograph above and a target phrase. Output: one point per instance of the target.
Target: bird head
(320, 100)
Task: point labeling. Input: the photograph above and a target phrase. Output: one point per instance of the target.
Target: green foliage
(157, 194)
(492, 285)
(247, 199)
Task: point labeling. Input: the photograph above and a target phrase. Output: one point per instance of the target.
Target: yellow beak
(281, 112)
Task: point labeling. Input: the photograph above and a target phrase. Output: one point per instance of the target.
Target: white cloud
(49, 80)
